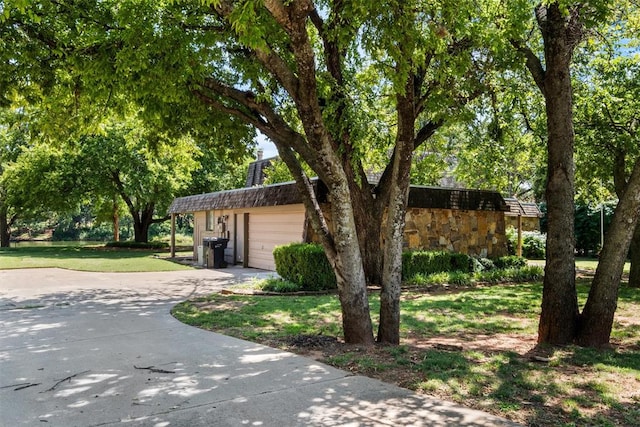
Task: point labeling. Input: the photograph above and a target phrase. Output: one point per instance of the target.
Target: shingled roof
(287, 194)
(268, 195)
(525, 209)
(255, 172)
(455, 198)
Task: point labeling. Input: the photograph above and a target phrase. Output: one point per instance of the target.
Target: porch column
(519, 252)
(173, 235)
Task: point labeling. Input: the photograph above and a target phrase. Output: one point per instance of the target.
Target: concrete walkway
(99, 349)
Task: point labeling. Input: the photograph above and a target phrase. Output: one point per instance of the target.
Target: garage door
(268, 230)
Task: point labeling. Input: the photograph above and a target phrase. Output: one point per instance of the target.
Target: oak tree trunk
(5, 230)
(559, 317)
(634, 255)
(389, 327)
(349, 269)
(115, 217)
(597, 316)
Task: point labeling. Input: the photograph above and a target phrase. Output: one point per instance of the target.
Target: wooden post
(245, 261)
(173, 235)
(519, 252)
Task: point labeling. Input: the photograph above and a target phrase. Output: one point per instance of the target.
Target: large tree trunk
(597, 316)
(350, 275)
(115, 217)
(5, 230)
(389, 327)
(559, 317)
(634, 255)
(341, 245)
(141, 223)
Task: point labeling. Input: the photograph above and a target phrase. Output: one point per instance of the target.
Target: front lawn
(473, 346)
(87, 258)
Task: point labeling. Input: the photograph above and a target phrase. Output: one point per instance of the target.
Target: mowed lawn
(88, 258)
(474, 346)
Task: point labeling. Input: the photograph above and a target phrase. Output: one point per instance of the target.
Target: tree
(145, 169)
(609, 122)
(562, 28)
(32, 174)
(300, 72)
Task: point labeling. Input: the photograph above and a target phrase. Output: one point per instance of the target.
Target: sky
(268, 146)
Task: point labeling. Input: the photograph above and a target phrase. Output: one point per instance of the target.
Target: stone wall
(479, 233)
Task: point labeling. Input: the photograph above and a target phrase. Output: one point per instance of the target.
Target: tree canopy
(337, 86)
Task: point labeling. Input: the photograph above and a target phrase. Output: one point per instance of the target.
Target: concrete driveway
(98, 349)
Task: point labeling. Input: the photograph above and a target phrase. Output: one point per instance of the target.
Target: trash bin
(214, 249)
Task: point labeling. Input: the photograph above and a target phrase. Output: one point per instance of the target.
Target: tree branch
(533, 64)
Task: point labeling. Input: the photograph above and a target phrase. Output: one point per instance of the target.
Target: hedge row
(307, 266)
(137, 245)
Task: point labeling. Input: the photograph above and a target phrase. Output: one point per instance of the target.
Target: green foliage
(496, 275)
(306, 265)
(587, 226)
(533, 243)
(427, 262)
(481, 264)
(280, 286)
(137, 245)
(510, 261)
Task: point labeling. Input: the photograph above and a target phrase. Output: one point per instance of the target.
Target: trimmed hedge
(429, 262)
(306, 265)
(137, 245)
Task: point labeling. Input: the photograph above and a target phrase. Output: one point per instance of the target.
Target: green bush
(481, 264)
(510, 261)
(137, 245)
(514, 275)
(306, 265)
(280, 285)
(428, 262)
(533, 243)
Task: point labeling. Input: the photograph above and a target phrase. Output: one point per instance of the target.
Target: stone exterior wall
(479, 233)
(528, 223)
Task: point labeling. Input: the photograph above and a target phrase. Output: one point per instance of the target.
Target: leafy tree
(144, 168)
(33, 174)
(303, 74)
(562, 26)
(608, 122)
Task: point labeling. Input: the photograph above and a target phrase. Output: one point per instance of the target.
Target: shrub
(428, 262)
(137, 245)
(306, 265)
(533, 243)
(280, 285)
(481, 264)
(510, 261)
(515, 275)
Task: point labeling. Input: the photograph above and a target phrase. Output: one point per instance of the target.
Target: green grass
(577, 387)
(87, 258)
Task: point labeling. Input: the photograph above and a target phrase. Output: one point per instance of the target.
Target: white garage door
(268, 230)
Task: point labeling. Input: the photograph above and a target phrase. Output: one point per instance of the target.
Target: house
(257, 219)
